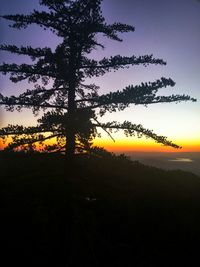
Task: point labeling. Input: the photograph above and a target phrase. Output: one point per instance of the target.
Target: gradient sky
(167, 29)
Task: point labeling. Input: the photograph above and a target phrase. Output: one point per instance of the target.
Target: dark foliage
(107, 211)
(71, 107)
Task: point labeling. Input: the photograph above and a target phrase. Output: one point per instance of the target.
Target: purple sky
(168, 29)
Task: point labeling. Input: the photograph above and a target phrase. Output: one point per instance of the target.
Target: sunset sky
(167, 29)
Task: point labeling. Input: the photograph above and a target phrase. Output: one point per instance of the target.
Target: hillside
(98, 211)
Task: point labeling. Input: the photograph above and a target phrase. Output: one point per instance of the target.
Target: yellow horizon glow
(139, 145)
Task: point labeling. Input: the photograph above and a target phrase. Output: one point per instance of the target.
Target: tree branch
(143, 94)
(118, 61)
(32, 105)
(21, 133)
(23, 142)
(26, 69)
(104, 129)
(28, 50)
(130, 130)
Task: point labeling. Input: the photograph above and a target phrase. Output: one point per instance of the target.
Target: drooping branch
(104, 128)
(137, 129)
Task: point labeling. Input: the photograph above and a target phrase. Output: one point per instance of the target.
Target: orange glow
(1, 145)
(134, 144)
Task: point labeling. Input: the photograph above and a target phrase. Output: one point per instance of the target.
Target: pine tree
(70, 106)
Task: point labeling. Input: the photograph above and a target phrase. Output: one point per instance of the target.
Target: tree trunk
(70, 144)
(72, 82)
(71, 131)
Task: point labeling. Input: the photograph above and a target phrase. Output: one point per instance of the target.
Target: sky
(167, 29)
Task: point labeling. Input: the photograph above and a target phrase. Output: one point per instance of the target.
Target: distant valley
(187, 161)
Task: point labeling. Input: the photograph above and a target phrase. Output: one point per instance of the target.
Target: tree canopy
(70, 106)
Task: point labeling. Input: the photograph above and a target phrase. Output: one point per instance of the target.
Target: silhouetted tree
(71, 107)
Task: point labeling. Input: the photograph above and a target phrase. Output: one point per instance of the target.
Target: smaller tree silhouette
(72, 107)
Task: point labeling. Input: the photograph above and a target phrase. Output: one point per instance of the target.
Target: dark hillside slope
(98, 211)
